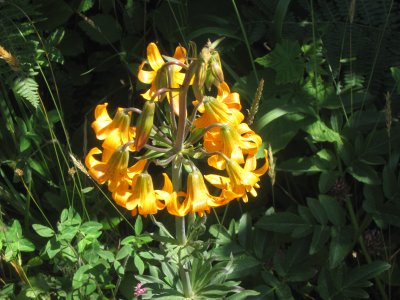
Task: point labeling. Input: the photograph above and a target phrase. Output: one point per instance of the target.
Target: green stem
(180, 227)
(363, 247)
(177, 175)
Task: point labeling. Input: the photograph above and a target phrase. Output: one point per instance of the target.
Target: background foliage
(325, 224)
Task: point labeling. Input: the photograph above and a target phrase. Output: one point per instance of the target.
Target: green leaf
(43, 231)
(319, 238)
(244, 230)
(138, 225)
(286, 61)
(335, 212)
(322, 133)
(243, 295)
(85, 5)
(25, 246)
(124, 252)
(364, 173)
(327, 180)
(139, 264)
(317, 211)
(390, 187)
(35, 165)
(81, 277)
(284, 222)
(283, 111)
(102, 29)
(87, 189)
(358, 276)
(244, 265)
(341, 245)
(24, 144)
(396, 75)
(91, 229)
(52, 247)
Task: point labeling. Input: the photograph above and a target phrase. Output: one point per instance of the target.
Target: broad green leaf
(283, 111)
(85, 5)
(358, 276)
(302, 164)
(322, 133)
(317, 211)
(341, 245)
(243, 295)
(364, 173)
(244, 230)
(81, 277)
(91, 229)
(87, 189)
(52, 247)
(327, 180)
(24, 144)
(220, 232)
(124, 252)
(139, 264)
(390, 187)
(25, 246)
(35, 165)
(284, 222)
(286, 61)
(396, 75)
(244, 265)
(319, 238)
(138, 225)
(67, 233)
(335, 212)
(102, 29)
(43, 231)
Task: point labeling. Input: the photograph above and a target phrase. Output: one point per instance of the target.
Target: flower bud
(144, 124)
(216, 68)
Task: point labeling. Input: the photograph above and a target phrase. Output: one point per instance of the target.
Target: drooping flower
(113, 167)
(143, 198)
(225, 109)
(234, 142)
(115, 132)
(197, 197)
(240, 181)
(158, 75)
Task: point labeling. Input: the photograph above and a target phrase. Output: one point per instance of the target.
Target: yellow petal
(146, 76)
(154, 57)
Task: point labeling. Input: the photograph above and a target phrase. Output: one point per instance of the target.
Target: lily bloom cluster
(175, 133)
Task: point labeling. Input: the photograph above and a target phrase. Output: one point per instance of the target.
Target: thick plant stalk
(177, 177)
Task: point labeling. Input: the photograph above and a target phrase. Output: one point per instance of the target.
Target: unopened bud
(216, 68)
(201, 75)
(144, 124)
(161, 81)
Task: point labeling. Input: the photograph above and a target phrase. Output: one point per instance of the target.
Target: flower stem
(180, 227)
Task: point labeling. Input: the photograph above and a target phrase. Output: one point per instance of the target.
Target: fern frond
(27, 88)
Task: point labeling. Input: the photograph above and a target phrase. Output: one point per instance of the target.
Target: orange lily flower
(233, 142)
(116, 131)
(113, 167)
(240, 180)
(225, 109)
(197, 198)
(143, 198)
(158, 76)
